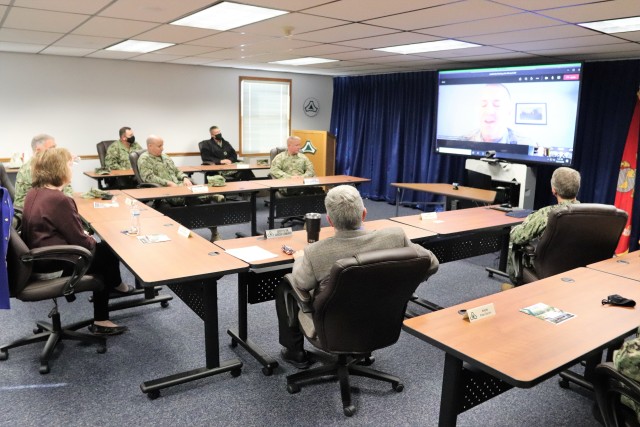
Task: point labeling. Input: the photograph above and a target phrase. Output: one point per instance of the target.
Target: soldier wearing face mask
(218, 151)
(117, 157)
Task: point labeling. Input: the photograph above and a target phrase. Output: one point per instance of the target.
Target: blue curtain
(385, 125)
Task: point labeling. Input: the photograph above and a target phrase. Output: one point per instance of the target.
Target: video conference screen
(525, 114)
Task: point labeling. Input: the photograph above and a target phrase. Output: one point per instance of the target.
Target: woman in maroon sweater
(51, 218)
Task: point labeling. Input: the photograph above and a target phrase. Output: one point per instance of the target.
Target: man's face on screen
(495, 112)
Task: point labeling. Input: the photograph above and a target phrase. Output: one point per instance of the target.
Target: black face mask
(131, 139)
(218, 137)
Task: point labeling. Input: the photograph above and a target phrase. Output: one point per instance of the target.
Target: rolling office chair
(227, 177)
(610, 385)
(576, 235)
(20, 262)
(107, 183)
(360, 309)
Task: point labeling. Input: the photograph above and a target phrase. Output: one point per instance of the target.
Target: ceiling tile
(290, 5)
(111, 27)
(186, 50)
(21, 47)
(154, 10)
(549, 33)
(546, 4)
(353, 10)
(535, 46)
(227, 39)
(388, 40)
(464, 11)
(112, 54)
(344, 32)
(66, 51)
(40, 20)
(86, 42)
(596, 11)
(191, 60)
(156, 57)
(519, 22)
(175, 34)
(26, 36)
(85, 7)
(323, 49)
(295, 23)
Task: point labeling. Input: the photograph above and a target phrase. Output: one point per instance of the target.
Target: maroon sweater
(51, 218)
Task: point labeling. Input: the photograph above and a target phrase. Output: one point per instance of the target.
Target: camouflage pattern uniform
(160, 170)
(23, 185)
(285, 166)
(117, 157)
(532, 228)
(627, 362)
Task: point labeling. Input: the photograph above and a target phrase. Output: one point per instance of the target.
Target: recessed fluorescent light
(225, 16)
(140, 46)
(304, 61)
(611, 26)
(428, 47)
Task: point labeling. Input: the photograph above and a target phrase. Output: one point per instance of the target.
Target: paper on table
(154, 238)
(251, 253)
(102, 205)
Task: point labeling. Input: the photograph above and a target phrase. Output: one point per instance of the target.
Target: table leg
(241, 335)
(272, 207)
(254, 219)
(213, 366)
(399, 195)
(504, 250)
(452, 384)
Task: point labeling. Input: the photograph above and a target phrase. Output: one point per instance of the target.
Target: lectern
(320, 147)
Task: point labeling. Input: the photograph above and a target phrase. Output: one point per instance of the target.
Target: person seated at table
(158, 168)
(345, 212)
(117, 157)
(565, 183)
(218, 151)
(39, 143)
(51, 218)
(293, 164)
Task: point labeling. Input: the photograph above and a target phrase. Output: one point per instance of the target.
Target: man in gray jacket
(345, 212)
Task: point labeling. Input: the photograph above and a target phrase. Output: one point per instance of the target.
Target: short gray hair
(566, 182)
(39, 140)
(344, 207)
(293, 138)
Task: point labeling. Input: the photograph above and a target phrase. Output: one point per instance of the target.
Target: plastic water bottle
(135, 221)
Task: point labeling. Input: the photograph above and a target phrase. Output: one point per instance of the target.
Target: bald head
(155, 145)
(294, 143)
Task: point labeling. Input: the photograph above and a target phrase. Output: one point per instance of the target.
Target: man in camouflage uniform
(292, 164)
(565, 183)
(627, 362)
(41, 142)
(117, 157)
(158, 168)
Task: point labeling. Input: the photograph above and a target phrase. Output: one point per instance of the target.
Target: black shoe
(300, 359)
(129, 291)
(107, 330)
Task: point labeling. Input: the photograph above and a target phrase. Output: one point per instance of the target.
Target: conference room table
(465, 233)
(258, 284)
(207, 214)
(446, 190)
(190, 266)
(300, 205)
(514, 349)
(625, 265)
(94, 210)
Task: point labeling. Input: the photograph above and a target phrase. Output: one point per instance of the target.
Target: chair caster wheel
(37, 330)
(293, 388)
(4, 354)
(267, 371)
(349, 410)
(398, 387)
(153, 395)
(234, 343)
(44, 368)
(563, 383)
(101, 349)
(164, 304)
(490, 274)
(236, 372)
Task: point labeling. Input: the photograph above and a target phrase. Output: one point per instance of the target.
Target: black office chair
(24, 286)
(610, 386)
(227, 177)
(133, 158)
(106, 183)
(576, 235)
(360, 309)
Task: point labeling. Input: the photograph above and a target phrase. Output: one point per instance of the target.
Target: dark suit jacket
(212, 153)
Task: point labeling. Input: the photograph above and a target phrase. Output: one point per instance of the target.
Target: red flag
(627, 176)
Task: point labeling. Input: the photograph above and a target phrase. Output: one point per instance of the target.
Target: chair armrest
(294, 295)
(208, 163)
(149, 185)
(609, 386)
(77, 256)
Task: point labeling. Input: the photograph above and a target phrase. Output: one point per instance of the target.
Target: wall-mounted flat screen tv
(525, 114)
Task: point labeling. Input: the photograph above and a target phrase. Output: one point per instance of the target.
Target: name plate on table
(184, 231)
(199, 189)
(311, 181)
(428, 215)
(278, 232)
(242, 166)
(481, 312)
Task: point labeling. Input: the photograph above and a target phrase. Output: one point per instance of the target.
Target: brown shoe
(506, 286)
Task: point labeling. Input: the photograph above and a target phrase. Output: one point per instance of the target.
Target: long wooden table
(513, 349)
(209, 214)
(258, 284)
(190, 267)
(446, 190)
(626, 265)
(299, 205)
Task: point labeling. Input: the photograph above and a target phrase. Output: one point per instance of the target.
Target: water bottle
(135, 221)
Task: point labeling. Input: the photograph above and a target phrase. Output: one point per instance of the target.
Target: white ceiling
(509, 32)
